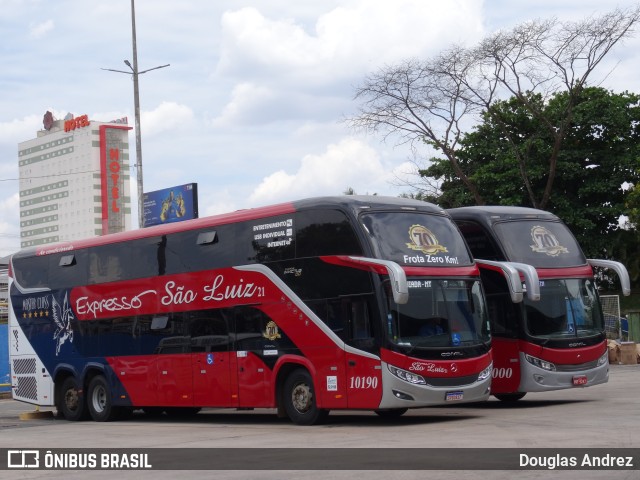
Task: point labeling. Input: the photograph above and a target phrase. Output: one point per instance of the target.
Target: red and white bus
(555, 337)
(306, 307)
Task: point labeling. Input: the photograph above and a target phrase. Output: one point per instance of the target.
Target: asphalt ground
(600, 420)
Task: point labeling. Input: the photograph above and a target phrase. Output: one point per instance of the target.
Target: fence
(613, 323)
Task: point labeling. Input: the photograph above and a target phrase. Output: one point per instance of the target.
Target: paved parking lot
(600, 417)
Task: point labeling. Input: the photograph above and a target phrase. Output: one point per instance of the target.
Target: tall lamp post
(136, 100)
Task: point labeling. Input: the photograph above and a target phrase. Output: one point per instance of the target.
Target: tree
(433, 101)
(601, 154)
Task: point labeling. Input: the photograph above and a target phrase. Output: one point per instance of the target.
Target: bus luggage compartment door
(212, 379)
(364, 381)
(506, 365)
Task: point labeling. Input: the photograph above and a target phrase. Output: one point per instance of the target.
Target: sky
(253, 102)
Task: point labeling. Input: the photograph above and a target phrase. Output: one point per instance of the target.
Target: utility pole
(136, 101)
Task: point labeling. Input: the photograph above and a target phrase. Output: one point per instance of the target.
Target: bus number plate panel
(454, 396)
(579, 380)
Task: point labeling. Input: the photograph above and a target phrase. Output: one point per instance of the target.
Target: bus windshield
(440, 313)
(417, 239)
(567, 308)
(542, 244)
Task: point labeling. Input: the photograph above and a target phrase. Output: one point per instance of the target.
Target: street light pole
(136, 101)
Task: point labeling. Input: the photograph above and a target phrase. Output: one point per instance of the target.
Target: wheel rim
(71, 399)
(99, 398)
(301, 397)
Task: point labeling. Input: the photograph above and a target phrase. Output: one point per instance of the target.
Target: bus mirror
(530, 279)
(510, 274)
(617, 267)
(159, 323)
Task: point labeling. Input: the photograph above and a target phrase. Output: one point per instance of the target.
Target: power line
(54, 175)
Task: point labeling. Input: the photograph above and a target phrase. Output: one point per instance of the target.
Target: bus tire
(510, 397)
(299, 399)
(391, 412)
(71, 403)
(99, 400)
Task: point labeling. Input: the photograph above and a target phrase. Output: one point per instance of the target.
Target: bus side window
(359, 315)
(330, 313)
(249, 328)
(481, 245)
(104, 267)
(209, 332)
(503, 313)
(32, 272)
(360, 323)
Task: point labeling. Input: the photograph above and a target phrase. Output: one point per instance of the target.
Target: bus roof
(490, 214)
(349, 203)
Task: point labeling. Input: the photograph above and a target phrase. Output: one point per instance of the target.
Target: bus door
(505, 314)
(211, 361)
(254, 353)
(506, 365)
(364, 375)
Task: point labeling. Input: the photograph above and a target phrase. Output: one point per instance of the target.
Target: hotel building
(74, 180)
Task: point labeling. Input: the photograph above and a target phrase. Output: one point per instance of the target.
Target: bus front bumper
(536, 379)
(398, 393)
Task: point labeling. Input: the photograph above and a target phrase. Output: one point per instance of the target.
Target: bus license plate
(579, 380)
(454, 396)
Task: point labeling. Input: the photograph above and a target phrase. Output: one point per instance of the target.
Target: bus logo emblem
(62, 316)
(423, 240)
(546, 242)
(271, 331)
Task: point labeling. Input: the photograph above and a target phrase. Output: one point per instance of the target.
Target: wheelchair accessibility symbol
(210, 359)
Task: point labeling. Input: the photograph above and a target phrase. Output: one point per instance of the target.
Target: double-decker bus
(352, 302)
(555, 338)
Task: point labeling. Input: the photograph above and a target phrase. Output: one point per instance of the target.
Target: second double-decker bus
(556, 338)
(346, 302)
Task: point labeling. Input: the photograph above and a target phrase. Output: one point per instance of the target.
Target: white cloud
(245, 98)
(39, 30)
(348, 163)
(20, 128)
(167, 117)
(9, 224)
(346, 41)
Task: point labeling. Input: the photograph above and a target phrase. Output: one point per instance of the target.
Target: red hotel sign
(111, 173)
(78, 122)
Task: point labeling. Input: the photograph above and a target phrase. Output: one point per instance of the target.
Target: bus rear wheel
(299, 399)
(510, 397)
(99, 400)
(71, 401)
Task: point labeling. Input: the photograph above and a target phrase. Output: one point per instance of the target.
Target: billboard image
(172, 204)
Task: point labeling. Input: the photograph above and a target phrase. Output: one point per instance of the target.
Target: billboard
(172, 204)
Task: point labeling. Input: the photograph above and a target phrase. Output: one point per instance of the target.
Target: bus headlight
(603, 359)
(543, 364)
(486, 373)
(408, 377)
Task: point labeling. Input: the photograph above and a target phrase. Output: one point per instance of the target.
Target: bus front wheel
(300, 401)
(99, 400)
(71, 401)
(510, 397)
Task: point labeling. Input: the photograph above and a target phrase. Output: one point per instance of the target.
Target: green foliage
(508, 157)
